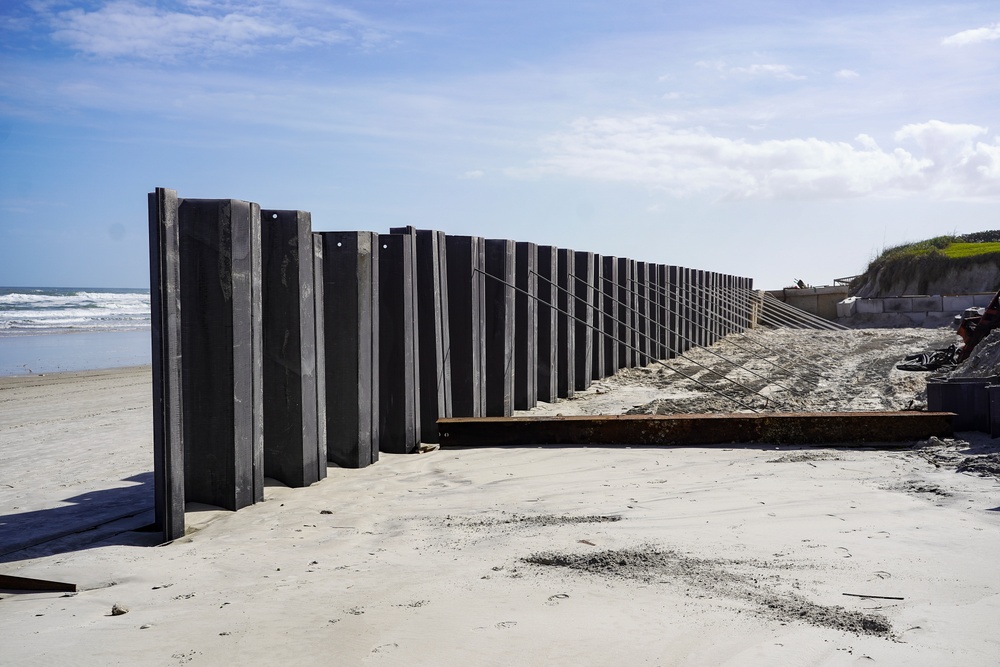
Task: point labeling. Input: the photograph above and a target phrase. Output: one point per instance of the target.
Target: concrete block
(525, 326)
(902, 304)
(548, 334)
(930, 304)
(220, 268)
(957, 303)
(982, 300)
(868, 306)
(499, 328)
(291, 445)
(350, 285)
(847, 307)
(399, 371)
(165, 318)
(467, 324)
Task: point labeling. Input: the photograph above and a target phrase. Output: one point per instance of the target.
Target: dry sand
(533, 556)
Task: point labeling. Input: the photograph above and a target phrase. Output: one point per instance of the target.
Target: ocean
(49, 329)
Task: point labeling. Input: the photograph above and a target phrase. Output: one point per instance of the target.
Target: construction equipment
(974, 328)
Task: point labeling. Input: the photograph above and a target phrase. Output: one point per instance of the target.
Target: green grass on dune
(930, 259)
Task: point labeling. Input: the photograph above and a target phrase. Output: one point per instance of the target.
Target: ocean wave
(41, 310)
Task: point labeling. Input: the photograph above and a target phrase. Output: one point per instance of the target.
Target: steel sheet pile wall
(277, 350)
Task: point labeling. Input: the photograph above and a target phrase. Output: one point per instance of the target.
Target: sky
(774, 139)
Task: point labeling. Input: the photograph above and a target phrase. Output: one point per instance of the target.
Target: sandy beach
(532, 556)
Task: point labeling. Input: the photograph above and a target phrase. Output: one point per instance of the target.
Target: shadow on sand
(105, 516)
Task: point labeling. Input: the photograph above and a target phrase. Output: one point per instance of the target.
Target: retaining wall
(278, 352)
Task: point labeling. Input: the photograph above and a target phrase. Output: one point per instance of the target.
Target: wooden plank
(10, 582)
(851, 428)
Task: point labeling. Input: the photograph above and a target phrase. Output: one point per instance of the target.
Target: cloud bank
(148, 31)
(943, 160)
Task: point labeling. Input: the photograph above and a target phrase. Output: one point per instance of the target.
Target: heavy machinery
(975, 327)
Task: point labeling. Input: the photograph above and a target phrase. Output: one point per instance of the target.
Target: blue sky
(773, 139)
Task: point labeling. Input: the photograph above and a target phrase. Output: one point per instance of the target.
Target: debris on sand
(721, 577)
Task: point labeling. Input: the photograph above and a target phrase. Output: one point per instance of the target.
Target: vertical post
(291, 447)
(431, 266)
(165, 318)
(317, 280)
(626, 354)
(642, 313)
(526, 331)
(597, 320)
(399, 383)
(673, 304)
(566, 333)
(652, 312)
(663, 303)
(499, 328)
(350, 338)
(466, 318)
(221, 342)
(583, 288)
(548, 326)
(609, 288)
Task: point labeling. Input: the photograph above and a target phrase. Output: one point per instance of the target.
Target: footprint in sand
(385, 648)
(503, 625)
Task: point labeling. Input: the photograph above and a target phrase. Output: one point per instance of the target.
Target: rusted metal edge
(850, 429)
(10, 582)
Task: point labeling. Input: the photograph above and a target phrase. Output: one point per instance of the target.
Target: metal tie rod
(636, 349)
(703, 348)
(673, 299)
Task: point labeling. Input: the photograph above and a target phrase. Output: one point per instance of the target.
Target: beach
(755, 555)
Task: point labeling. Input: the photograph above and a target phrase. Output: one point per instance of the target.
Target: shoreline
(67, 351)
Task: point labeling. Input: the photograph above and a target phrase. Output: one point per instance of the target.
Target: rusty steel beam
(831, 428)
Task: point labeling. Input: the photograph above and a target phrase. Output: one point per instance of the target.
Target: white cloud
(473, 174)
(846, 74)
(952, 161)
(132, 28)
(973, 36)
(776, 71)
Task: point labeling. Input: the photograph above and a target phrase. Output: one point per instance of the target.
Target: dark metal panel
(466, 324)
(399, 385)
(221, 343)
(165, 317)
(583, 288)
(525, 326)
(350, 340)
(499, 302)
(566, 333)
(317, 280)
(609, 310)
(597, 320)
(431, 268)
(548, 325)
(291, 449)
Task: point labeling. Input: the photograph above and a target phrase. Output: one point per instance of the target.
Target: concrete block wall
(330, 347)
(918, 310)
